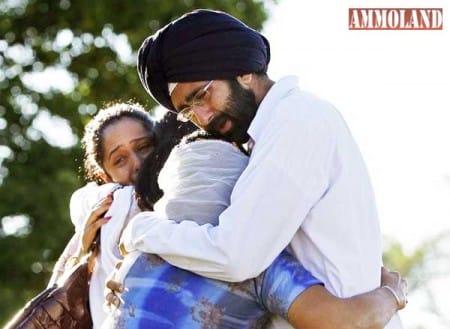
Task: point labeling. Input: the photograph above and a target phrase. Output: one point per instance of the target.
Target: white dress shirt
(305, 187)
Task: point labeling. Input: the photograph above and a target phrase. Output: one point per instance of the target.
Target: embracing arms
(317, 308)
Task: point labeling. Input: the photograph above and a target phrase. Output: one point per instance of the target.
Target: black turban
(200, 45)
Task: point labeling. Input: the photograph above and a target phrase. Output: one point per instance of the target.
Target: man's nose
(202, 114)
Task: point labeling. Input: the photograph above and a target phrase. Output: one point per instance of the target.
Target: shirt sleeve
(283, 281)
(283, 181)
(81, 203)
(69, 251)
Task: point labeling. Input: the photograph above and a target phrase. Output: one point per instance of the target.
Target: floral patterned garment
(159, 295)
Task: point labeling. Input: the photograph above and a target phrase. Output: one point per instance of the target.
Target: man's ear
(245, 80)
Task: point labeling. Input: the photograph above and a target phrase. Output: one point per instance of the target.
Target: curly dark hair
(169, 132)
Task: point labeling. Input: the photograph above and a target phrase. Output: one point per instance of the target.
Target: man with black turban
(306, 186)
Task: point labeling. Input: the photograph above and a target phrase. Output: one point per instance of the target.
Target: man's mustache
(237, 133)
(217, 123)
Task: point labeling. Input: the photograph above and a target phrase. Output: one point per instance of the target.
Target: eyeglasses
(199, 99)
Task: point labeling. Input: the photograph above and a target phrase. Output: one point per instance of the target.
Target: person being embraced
(196, 183)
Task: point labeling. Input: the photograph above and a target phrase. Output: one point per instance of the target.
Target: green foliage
(426, 267)
(415, 265)
(37, 175)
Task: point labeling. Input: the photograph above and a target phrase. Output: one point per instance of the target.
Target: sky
(393, 89)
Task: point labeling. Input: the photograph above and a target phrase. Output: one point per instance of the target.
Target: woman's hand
(93, 223)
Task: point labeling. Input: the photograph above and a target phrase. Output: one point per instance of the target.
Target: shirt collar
(268, 105)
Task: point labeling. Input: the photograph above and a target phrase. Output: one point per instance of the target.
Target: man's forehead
(183, 90)
(176, 86)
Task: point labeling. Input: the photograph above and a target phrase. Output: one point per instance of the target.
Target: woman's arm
(317, 308)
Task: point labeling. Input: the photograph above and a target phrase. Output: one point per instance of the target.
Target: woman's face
(126, 143)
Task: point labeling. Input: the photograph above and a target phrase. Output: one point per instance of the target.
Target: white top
(121, 210)
(197, 180)
(305, 186)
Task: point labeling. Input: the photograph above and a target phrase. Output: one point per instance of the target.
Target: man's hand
(397, 285)
(123, 251)
(112, 289)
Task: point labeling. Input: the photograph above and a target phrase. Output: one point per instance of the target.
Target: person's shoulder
(92, 191)
(85, 189)
(83, 199)
(288, 92)
(307, 104)
(305, 110)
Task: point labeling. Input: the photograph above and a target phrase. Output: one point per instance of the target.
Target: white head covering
(171, 86)
(197, 180)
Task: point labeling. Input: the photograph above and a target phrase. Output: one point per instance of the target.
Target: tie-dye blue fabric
(159, 295)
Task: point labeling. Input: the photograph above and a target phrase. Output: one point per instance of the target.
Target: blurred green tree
(60, 61)
(428, 273)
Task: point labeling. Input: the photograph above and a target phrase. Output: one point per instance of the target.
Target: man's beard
(240, 109)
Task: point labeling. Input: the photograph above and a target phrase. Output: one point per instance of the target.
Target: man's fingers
(112, 299)
(123, 251)
(114, 286)
(404, 288)
(390, 277)
(397, 286)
